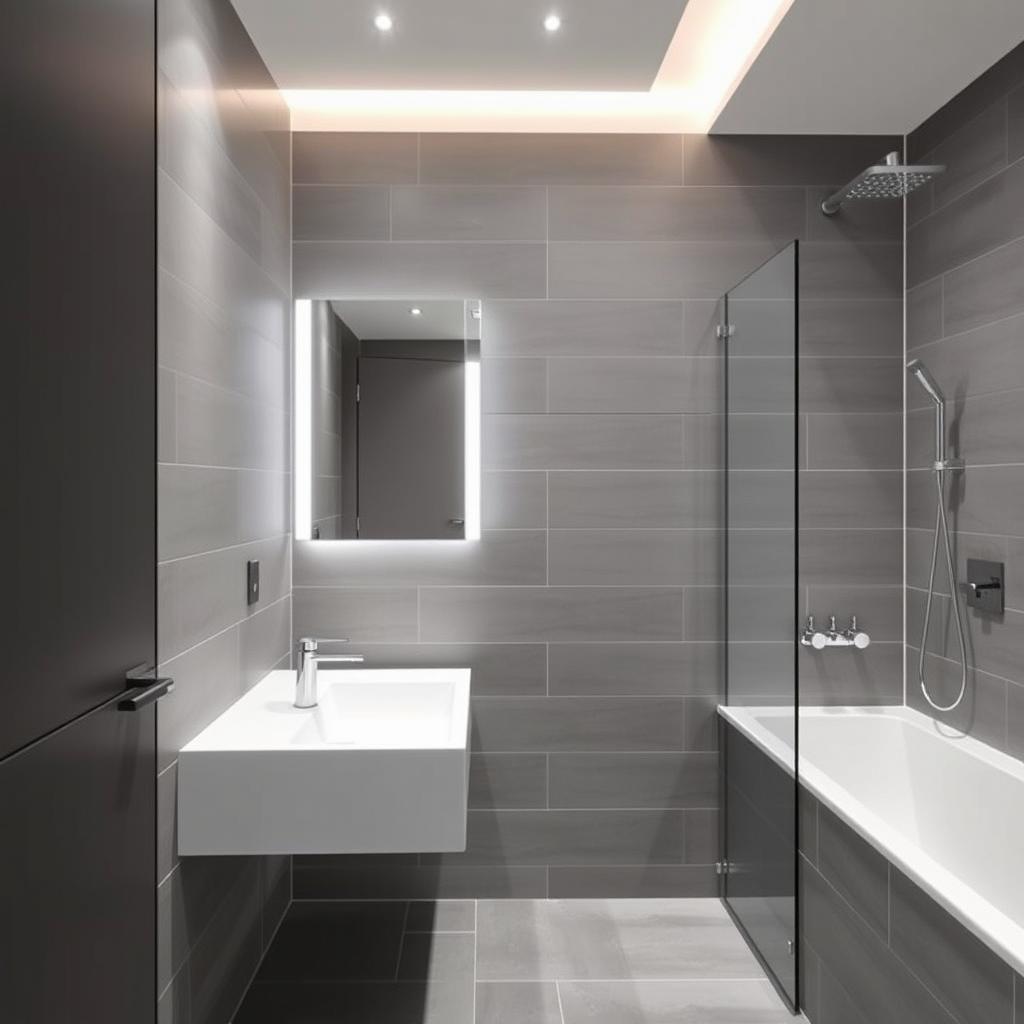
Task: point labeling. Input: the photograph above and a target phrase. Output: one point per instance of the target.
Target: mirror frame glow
(302, 376)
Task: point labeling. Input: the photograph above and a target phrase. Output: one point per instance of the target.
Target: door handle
(143, 688)
(456, 522)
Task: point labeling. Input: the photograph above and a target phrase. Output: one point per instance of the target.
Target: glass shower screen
(759, 852)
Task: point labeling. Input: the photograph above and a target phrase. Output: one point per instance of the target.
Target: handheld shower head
(920, 373)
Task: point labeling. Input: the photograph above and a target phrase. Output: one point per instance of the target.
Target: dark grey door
(78, 464)
(411, 448)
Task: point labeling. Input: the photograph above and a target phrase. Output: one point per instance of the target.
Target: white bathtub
(945, 809)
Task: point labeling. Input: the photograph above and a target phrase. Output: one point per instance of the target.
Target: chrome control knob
(819, 641)
(861, 640)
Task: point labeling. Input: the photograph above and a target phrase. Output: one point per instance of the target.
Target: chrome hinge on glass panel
(357, 392)
(723, 331)
(721, 867)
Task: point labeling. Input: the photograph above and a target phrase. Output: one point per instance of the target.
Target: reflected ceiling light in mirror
(303, 403)
(415, 311)
(552, 23)
(383, 22)
(714, 45)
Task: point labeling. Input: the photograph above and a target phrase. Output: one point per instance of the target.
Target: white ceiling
(441, 319)
(462, 44)
(875, 67)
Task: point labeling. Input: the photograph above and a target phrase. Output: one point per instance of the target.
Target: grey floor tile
(400, 1002)
(337, 941)
(517, 1002)
(437, 916)
(437, 957)
(609, 939)
(671, 1002)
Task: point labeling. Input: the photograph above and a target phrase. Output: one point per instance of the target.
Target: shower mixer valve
(850, 637)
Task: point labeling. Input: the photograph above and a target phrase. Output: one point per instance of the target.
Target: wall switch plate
(985, 587)
(252, 581)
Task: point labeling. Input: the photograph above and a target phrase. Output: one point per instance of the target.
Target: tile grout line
(401, 941)
(558, 996)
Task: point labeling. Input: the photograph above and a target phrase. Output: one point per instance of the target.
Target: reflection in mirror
(387, 419)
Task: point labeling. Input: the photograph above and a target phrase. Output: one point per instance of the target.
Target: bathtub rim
(1000, 933)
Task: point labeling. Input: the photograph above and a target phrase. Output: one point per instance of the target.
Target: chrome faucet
(308, 661)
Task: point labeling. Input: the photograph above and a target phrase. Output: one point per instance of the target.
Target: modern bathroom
(654, 654)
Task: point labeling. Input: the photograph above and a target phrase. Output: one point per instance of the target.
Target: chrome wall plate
(985, 588)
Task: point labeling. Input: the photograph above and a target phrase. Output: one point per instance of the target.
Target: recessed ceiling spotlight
(383, 22)
(552, 22)
(415, 311)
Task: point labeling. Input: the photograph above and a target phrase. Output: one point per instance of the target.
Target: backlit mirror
(387, 419)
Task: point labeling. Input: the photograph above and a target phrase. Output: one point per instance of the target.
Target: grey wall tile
(879, 610)
(569, 837)
(454, 270)
(609, 558)
(650, 270)
(1015, 148)
(532, 159)
(989, 427)
(353, 158)
(373, 615)
(841, 440)
(674, 214)
(204, 509)
(860, 222)
(634, 669)
(639, 499)
(858, 872)
(989, 288)
(514, 386)
(631, 881)
(851, 385)
(578, 328)
(547, 613)
(205, 593)
(859, 959)
(971, 154)
(418, 882)
(510, 724)
(634, 780)
(968, 978)
(166, 428)
(502, 557)
(873, 499)
(508, 781)
(514, 500)
(468, 213)
(340, 213)
(924, 313)
(851, 328)
(858, 557)
(834, 270)
(498, 670)
(582, 442)
(634, 385)
(981, 220)
(779, 159)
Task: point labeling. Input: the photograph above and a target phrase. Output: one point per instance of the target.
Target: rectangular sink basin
(381, 765)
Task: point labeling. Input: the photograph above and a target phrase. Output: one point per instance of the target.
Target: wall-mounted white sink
(380, 766)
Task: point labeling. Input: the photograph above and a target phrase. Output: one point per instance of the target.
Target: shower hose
(942, 528)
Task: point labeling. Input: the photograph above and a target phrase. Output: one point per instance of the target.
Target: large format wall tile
(224, 352)
(591, 609)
